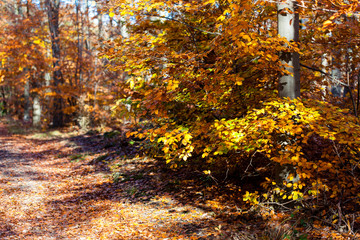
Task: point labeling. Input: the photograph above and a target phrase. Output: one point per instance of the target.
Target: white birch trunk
(288, 27)
(36, 111)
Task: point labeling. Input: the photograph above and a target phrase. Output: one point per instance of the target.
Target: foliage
(320, 140)
(197, 83)
(205, 73)
(27, 66)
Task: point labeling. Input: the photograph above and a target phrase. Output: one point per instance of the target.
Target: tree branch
(188, 25)
(326, 74)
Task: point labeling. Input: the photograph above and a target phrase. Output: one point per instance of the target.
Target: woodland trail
(27, 177)
(47, 193)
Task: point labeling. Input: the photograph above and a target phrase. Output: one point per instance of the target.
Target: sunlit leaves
(251, 198)
(294, 122)
(205, 73)
(327, 24)
(177, 143)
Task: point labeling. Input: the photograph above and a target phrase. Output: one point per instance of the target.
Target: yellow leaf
(239, 81)
(207, 172)
(221, 18)
(50, 94)
(247, 37)
(165, 149)
(111, 14)
(210, 2)
(327, 24)
(132, 84)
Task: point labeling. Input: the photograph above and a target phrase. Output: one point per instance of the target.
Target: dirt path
(49, 189)
(29, 178)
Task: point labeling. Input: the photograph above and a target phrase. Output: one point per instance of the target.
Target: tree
(206, 74)
(289, 82)
(44, 75)
(53, 7)
(288, 27)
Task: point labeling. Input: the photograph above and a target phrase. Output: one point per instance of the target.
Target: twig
(188, 25)
(191, 33)
(227, 171)
(250, 164)
(280, 204)
(326, 74)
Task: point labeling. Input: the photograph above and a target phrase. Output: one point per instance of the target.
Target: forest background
(206, 85)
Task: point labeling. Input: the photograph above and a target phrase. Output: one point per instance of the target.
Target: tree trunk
(47, 79)
(27, 103)
(53, 7)
(80, 34)
(100, 24)
(324, 84)
(336, 89)
(289, 84)
(36, 110)
(288, 27)
(26, 116)
(3, 101)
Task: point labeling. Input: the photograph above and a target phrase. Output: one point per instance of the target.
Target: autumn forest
(163, 119)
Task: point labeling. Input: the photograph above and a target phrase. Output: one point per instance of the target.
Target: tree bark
(36, 111)
(53, 7)
(288, 27)
(80, 36)
(27, 105)
(289, 84)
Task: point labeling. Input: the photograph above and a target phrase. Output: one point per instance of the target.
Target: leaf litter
(109, 193)
(78, 185)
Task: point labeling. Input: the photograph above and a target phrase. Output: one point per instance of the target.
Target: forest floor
(76, 185)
